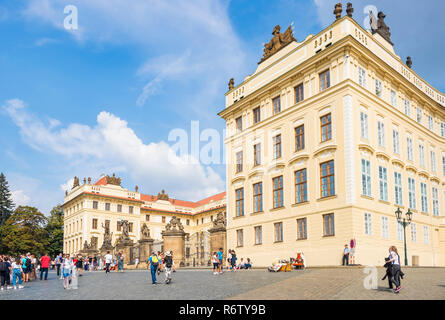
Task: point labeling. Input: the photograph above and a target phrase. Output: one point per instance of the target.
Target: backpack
(168, 261)
(2, 266)
(154, 260)
(28, 262)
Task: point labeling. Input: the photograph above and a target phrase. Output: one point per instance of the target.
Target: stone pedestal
(125, 248)
(174, 241)
(218, 240)
(145, 249)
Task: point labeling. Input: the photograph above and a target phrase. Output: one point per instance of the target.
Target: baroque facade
(326, 139)
(94, 212)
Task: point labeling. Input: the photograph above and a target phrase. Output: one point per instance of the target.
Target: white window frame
(383, 183)
(362, 77)
(422, 155)
(366, 178)
(378, 88)
(398, 192)
(442, 129)
(393, 98)
(433, 161)
(409, 148)
(385, 229)
(430, 123)
(399, 231)
(419, 115)
(424, 197)
(413, 232)
(426, 237)
(364, 125)
(435, 196)
(368, 224)
(395, 141)
(407, 107)
(411, 193)
(381, 133)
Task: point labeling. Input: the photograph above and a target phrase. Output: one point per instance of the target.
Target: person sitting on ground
(249, 264)
(241, 264)
(276, 266)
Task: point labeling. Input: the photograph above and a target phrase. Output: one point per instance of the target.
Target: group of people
(231, 261)
(17, 270)
(161, 262)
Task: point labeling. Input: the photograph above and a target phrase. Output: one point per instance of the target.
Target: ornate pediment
(113, 180)
(278, 42)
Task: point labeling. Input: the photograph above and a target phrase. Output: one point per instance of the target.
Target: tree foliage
(24, 231)
(54, 228)
(6, 204)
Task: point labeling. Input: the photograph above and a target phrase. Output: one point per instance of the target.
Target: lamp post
(404, 222)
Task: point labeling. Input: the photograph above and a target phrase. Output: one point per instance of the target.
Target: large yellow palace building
(326, 139)
(90, 206)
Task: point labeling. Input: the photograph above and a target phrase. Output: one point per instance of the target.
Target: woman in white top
(394, 258)
(67, 268)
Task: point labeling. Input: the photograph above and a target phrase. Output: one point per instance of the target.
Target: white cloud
(199, 29)
(68, 185)
(112, 144)
(43, 41)
(20, 198)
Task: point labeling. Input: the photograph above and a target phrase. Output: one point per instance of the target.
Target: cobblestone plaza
(310, 284)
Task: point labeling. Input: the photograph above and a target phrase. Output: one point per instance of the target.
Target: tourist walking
(16, 268)
(229, 259)
(168, 264)
(79, 264)
(394, 259)
(108, 259)
(345, 255)
(153, 261)
(32, 272)
(233, 260)
(44, 265)
(8, 272)
(215, 263)
(26, 266)
(67, 268)
(136, 263)
(120, 262)
(220, 260)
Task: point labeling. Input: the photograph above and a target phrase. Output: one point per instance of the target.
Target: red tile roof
(101, 182)
(184, 203)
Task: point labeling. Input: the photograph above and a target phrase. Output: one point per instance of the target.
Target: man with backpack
(26, 266)
(168, 263)
(154, 264)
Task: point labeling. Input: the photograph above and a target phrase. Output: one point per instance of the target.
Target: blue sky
(104, 98)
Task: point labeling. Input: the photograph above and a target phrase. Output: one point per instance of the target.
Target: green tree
(54, 228)
(24, 232)
(6, 204)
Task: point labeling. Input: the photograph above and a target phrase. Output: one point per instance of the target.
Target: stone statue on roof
(278, 41)
(163, 195)
(380, 27)
(76, 182)
(113, 180)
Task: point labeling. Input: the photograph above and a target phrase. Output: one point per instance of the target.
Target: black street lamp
(404, 222)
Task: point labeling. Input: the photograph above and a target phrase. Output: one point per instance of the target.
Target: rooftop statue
(349, 9)
(380, 26)
(409, 62)
(162, 196)
(231, 83)
(338, 10)
(113, 180)
(278, 41)
(76, 182)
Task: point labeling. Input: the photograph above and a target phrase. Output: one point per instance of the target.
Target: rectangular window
(381, 133)
(395, 141)
(368, 224)
(426, 237)
(366, 178)
(442, 129)
(299, 95)
(107, 206)
(239, 238)
(328, 224)
(409, 148)
(327, 179)
(362, 77)
(385, 232)
(118, 226)
(119, 208)
(421, 155)
(407, 107)
(419, 115)
(277, 146)
(325, 80)
(256, 115)
(424, 197)
(299, 138)
(278, 228)
(378, 88)
(239, 161)
(239, 124)
(301, 228)
(258, 197)
(276, 105)
(278, 192)
(187, 222)
(383, 183)
(94, 224)
(413, 232)
(363, 125)
(435, 194)
(326, 127)
(95, 204)
(411, 193)
(300, 186)
(430, 123)
(239, 202)
(398, 189)
(399, 231)
(130, 209)
(257, 154)
(259, 235)
(130, 227)
(147, 217)
(393, 98)
(433, 161)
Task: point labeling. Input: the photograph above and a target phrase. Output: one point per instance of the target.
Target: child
(215, 263)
